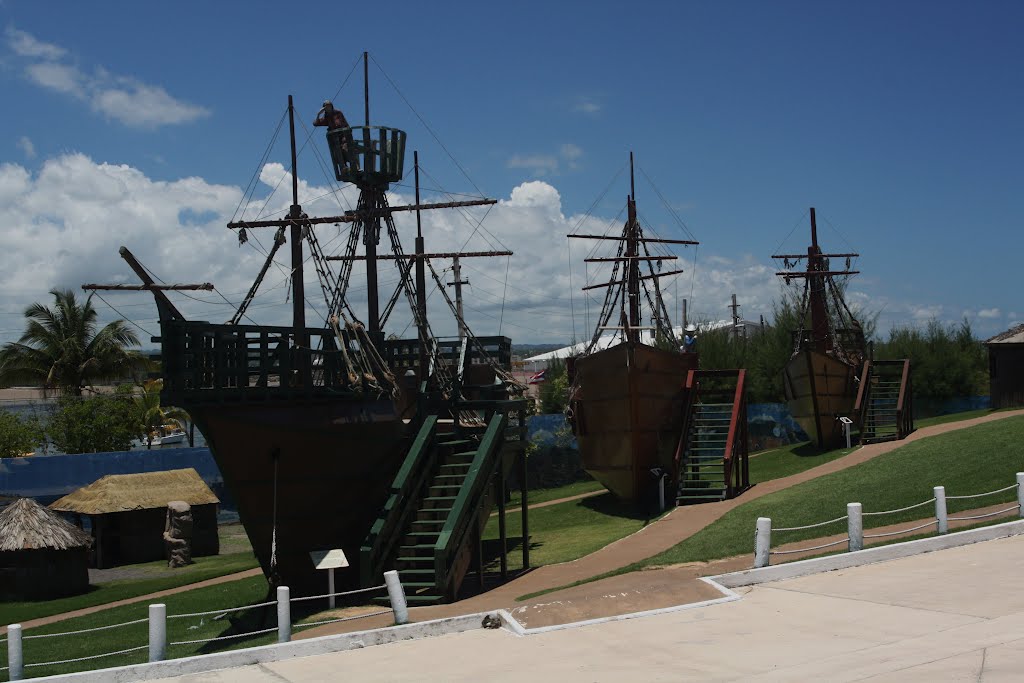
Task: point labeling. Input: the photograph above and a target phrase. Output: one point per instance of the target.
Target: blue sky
(903, 123)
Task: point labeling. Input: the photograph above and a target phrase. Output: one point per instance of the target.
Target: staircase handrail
(738, 404)
(456, 524)
(690, 387)
(863, 396)
(903, 398)
(416, 467)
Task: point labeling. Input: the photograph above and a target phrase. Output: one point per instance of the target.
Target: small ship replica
(829, 380)
(334, 436)
(651, 426)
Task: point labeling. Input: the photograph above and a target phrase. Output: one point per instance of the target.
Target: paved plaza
(950, 615)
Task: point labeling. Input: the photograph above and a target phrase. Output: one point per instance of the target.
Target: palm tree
(62, 350)
(152, 415)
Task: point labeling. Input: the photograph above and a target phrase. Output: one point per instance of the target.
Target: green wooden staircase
(712, 457)
(884, 401)
(430, 527)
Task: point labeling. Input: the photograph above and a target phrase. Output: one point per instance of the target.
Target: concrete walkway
(940, 616)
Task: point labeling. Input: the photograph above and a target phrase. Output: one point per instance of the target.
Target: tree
(152, 415)
(18, 435)
(98, 424)
(61, 349)
(554, 392)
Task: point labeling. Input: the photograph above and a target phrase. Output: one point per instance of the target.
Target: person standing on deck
(333, 118)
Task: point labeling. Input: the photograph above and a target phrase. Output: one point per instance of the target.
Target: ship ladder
(884, 401)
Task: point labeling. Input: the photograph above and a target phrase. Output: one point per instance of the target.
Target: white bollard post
(855, 526)
(157, 632)
(940, 508)
(397, 595)
(284, 614)
(15, 662)
(762, 542)
(1020, 493)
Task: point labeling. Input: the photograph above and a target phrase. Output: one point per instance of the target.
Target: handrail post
(941, 517)
(1020, 493)
(284, 614)
(157, 632)
(762, 542)
(15, 657)
(855, 526)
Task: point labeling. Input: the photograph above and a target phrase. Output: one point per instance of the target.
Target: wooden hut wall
(43, 574)
(1006, 375)
(137, 536)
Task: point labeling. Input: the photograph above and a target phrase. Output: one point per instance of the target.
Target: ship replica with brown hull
(310, 425)
(626, 394)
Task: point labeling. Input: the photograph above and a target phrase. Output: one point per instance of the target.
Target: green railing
(408, 485)
(463, 513)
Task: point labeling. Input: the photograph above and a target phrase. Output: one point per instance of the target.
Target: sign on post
(329, 560)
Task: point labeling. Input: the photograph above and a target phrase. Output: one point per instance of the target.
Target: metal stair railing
(735, 429)
(691, 389)
(402, 502)
(462, 516)
(860, 406)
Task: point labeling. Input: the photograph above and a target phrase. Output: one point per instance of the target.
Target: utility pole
(684, 314)
(457, 273)
(735, 318)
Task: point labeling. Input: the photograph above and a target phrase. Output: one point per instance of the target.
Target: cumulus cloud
(122, 98)
(26, 147)
(548, 164)
(989, 313)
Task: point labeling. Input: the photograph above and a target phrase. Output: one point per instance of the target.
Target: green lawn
(544, 495)
(953, 417)
(566, 531)
(204, 568)
(787, 460)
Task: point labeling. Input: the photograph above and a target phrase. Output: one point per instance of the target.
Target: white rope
(82, 659)
(352, 592)
(273, 521)
(990, 514)
(335, 621)
(811, 526)
(228, 637)
(890, 512)
(221, 611)
(84, 630)
(901, 531)
(980, 495)
(804, 550)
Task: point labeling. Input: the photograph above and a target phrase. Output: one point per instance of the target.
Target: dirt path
(676, 526)
(42, 621)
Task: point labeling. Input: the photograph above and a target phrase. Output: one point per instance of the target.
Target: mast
(457, 284)
(421, 276)
(821, 328)
(371, 236)
(633, 264)
(298, 290)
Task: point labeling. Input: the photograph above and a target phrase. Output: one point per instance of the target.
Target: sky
(146, 125)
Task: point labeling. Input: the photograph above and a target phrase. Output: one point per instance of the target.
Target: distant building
(1006, 368)
(128, 513)
(42, 556)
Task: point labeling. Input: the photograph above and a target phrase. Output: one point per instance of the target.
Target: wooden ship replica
(651, 427)
(333, 436)
(829, 376)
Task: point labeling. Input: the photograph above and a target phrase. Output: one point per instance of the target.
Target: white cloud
(24, 45)
(548, 164)
(26, 147)
(122, 98)
(989, 313)
(587, 106)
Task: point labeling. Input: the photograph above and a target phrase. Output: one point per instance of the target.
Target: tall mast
(633, 262)
(372, 233)
(298, 291)
(421, 276)
(821, 329)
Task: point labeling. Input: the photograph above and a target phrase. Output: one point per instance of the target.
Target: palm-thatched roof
(126, 492)
(27, 525)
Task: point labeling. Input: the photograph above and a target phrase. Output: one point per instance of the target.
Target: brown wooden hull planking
(627, 415)
(819, 390)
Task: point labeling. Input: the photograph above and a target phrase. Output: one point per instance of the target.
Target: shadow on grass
(808, 450)
(608, 504)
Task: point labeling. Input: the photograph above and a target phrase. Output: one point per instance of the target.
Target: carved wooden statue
(178, 534)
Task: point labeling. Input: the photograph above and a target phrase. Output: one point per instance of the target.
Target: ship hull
(627, 415)
(819, 390)
(316, 473)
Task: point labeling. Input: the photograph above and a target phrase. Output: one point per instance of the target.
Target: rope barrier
(84, 630)
(901, 531)
(221, 611)
(335, 621)
(352, 592)
(981, 495)
(804, 550)
(812, 526)
(990, 514)
(83, 659)
(227, 637)
(890, 512)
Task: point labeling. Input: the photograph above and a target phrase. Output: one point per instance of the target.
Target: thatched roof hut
(127, 492)
(128, 513)
(41, 555)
